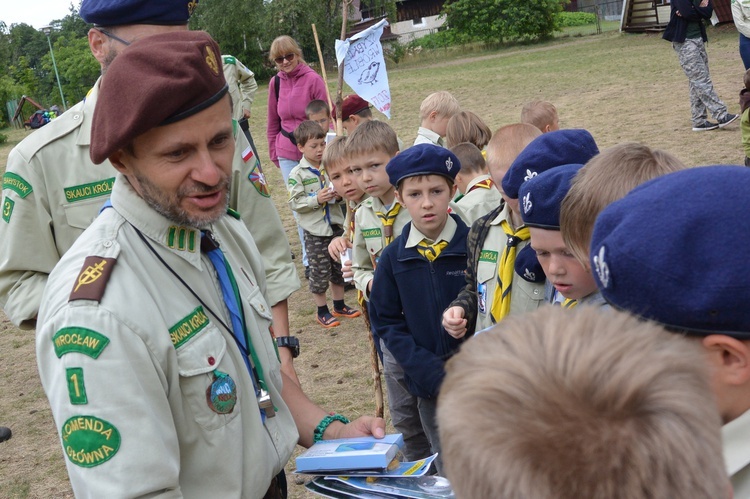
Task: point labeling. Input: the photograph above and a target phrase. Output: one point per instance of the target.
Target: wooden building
(653, 15)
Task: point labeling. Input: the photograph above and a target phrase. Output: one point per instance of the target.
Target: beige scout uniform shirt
(52, 192)
(427, 136)
(303, 186)
(127, 376)
(525, 296)
(478, 202)
(242, 85)
(736, 443)
(369, 240)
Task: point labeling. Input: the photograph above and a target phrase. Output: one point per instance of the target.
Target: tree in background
(503, 20)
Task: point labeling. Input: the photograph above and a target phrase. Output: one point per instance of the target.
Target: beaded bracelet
(325, 423)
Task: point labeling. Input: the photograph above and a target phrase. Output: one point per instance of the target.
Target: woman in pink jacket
(289, 92)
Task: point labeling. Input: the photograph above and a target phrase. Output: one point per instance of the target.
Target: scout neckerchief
(505, 269)
(483, 184)
(231, 295)
(321, 178)
(431, 250)
(569, 303)
(388, 219)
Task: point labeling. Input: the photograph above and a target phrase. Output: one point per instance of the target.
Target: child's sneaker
(729, 118)
(706, 125)
(328, 321)
(347, 311)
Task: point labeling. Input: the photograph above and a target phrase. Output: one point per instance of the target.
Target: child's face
(497, 172)
(313, 150)
(322, 118)
(369, 170)
(566, 273)
(351, 124)
(343, 181)
(426, 198)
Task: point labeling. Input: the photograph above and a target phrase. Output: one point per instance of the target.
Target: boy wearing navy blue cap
(569, 282)
(420, 273)
(503, 277)
(679, 281)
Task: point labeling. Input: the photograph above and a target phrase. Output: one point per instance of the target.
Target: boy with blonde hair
(478, 195)
(434, 113)
(379, 220)
(609, 176)
(581, 404)
(419, 274)
(541, 114)
(314, 201)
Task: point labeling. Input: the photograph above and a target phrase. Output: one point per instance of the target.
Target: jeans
(745, 51)
(286, 166)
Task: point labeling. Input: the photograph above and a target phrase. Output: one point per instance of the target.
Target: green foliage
(395, 51)
(3, 137)
(567, 19)
(503, 20)
(442, 39)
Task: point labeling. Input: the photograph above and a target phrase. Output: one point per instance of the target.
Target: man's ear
(116, 159)
(730, 358)
(99, 45)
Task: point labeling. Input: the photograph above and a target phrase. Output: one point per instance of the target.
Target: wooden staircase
(644, 15)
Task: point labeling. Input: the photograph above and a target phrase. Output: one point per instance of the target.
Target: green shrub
(3, 138)
(503, 20)
(567, 19)
(441, 39)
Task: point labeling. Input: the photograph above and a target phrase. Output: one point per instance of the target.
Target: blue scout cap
(158, 80)
(120, 12)
(561, 147)
(675, 250)
(542, 196)
(422, 159)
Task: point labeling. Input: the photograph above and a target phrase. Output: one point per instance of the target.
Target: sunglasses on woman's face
(288, 57)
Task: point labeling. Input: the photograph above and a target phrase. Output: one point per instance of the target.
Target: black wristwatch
(291, 342)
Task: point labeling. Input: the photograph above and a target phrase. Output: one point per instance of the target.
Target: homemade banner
(364, 67)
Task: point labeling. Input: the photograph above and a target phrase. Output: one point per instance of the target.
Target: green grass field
(620, 87)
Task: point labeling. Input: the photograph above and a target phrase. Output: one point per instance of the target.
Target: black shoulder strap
(276, 86)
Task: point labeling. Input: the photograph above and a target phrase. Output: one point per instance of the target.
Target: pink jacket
(296, 90)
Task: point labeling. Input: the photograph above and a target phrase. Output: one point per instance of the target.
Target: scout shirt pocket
(82, 202)
(258, 318)
(486, 280)
(208, 382)
(374, 242)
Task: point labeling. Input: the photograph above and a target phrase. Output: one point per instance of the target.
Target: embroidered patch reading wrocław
(88, 191)
(17, 183)
(76, 387)
(8, 205)
(80, 340)
(92, 280)
(89, 441)
(188, 327)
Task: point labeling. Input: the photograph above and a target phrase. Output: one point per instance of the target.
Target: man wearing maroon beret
(153, 344)
(53, 191)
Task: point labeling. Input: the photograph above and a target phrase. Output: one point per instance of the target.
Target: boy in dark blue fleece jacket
(419, 274)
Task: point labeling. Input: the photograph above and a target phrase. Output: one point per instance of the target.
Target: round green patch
(89, 441)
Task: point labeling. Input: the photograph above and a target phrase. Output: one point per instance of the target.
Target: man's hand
(454, 322)
(246, 113)
(363, 426)
(704, 3)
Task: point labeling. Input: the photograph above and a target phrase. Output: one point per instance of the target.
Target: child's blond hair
(507, 142)
(607, 177)
(442, 103)
(308, 130)
(580, 404)
(335, 152)
(467, 127)
(541, 114)
(470, 157)
(372, 136)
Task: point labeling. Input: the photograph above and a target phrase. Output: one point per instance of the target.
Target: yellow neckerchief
(388, 219)
(569, 303)
(505, 270)
(483, 184)
(431, 250)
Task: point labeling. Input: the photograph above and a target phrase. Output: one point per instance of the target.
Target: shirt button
(107, 244)
(536, 291)
(211, 361)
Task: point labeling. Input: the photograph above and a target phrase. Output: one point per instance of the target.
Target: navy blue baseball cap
(561, 147)
(541, 196)
(676, 250)
(422, 159)
(121, 12)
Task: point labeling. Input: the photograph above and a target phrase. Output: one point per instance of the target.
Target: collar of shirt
(475, 181)
(430, 135)
(84, 136)
(183, 241)
(415, 236)
(736, 442)
(503, 215)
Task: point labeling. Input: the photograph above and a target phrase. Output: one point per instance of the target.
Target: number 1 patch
(76, 388)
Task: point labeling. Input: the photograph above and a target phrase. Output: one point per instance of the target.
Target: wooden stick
(322, 65)
(375, 363)
(340, 84)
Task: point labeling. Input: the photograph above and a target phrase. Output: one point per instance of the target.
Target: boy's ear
(398, 197)
(432, 116)
(453, 190)
(729, 357)
(301, 148)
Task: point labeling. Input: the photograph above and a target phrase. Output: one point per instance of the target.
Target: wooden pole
(322, 65)
(340, 85)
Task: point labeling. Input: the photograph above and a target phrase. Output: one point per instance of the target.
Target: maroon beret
(156, 81)
(352, 104)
